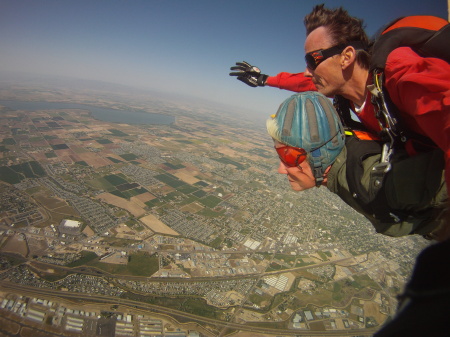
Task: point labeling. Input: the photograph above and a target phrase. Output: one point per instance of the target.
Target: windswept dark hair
(342, 27)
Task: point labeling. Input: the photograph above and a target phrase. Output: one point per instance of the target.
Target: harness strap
(342, 106)
(393, 132)
(373, 201)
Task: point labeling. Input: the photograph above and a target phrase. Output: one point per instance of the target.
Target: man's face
(300, 177)
(327, 77)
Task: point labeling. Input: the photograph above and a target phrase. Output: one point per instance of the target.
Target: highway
(220, 325)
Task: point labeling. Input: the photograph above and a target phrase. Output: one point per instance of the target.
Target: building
(70, 227)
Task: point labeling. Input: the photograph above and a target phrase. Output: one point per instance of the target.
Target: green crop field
(170, 180)
(129, 156)
(118, 133)
(115, 180)
(210, 201)
(10, 176)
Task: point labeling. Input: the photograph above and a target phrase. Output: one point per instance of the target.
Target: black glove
(249, 74)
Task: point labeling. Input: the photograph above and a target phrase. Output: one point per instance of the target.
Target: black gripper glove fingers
(248, 74)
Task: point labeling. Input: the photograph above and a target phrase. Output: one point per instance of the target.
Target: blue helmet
(308, 120)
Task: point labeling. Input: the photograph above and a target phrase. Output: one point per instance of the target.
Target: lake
(103, 114)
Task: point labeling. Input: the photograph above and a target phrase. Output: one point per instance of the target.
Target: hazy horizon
(121, 91)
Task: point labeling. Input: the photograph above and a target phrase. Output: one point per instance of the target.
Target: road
(220, 325)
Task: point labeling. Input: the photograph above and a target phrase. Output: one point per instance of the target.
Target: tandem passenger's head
(308, 136)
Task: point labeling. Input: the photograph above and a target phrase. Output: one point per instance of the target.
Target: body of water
(103, 114)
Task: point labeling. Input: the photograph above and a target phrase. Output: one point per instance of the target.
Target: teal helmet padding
(309, 120)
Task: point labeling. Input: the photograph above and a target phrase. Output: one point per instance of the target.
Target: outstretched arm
(293, 82)
(252, 76)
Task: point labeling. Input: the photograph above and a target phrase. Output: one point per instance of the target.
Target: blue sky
(179, 46)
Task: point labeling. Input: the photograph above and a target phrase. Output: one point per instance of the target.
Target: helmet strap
(318, 173)
(317, 163)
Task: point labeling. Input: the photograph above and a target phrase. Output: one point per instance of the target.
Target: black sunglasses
(316, 57)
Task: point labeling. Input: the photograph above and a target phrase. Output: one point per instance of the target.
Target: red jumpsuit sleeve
(293, 82)
(420, 88)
